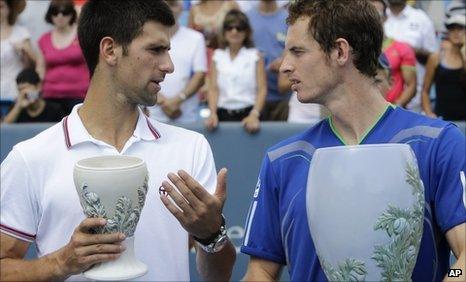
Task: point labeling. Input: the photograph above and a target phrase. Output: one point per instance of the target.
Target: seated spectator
(61, 64)
(16, 51)
(447, 69)
(177, 100)
(30, 106)
(402, 62)
(238, 83)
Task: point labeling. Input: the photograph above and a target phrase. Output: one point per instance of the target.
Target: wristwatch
(216, 242)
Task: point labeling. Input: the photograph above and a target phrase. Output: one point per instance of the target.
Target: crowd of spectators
(227, 56)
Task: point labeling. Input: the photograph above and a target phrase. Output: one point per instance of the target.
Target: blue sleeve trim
(263, 255)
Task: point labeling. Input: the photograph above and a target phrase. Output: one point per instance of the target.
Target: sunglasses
(239, 28)
(64, 11)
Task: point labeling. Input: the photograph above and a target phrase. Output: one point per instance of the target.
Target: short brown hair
(236, 16)
(15, 7)
(357, 21)
(62, 5)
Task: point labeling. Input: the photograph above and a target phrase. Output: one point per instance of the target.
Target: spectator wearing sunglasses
(238, 82)
(61, 64)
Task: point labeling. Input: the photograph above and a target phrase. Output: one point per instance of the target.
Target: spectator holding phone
(30, 106)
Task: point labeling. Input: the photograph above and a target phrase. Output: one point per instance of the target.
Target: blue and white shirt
(277, 228)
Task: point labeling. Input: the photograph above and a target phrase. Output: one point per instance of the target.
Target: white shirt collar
(75, 132)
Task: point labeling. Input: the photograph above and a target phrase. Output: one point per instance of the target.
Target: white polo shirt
(415, 28)
(188, 53)
(236, 79)
(39, 201)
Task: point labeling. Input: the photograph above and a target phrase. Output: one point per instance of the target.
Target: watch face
(220, 243)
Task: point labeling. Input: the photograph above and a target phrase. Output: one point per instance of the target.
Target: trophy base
(124, 268)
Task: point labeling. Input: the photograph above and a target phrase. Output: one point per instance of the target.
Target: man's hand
(251, 123)
(211, 122)
(22, 100)
(197, 210)
(85, 249)
(172, 107)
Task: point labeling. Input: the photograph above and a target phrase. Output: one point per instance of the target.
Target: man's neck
(108, 116)
(397, 9)
(268, 7)
(356, 107)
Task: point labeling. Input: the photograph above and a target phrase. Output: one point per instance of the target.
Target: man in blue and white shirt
(336, 68)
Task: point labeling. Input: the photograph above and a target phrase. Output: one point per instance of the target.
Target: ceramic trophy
(114, 188)
(365, 208)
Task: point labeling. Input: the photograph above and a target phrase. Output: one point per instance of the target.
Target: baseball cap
(456, 19)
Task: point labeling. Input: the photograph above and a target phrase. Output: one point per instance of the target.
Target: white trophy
(365, 208)
(114, 188)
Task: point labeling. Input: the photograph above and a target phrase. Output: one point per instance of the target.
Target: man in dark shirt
(29, 106)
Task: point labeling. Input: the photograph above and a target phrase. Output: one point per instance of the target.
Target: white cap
(456, 19)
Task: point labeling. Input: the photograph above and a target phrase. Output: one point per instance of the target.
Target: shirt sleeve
(408, 57)
(262, 237)
(429, 41)
(200, 55)
(19, 206)
(205, 172)
(450, 196)
(20, 33)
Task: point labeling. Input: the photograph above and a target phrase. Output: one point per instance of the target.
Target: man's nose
(167, 66)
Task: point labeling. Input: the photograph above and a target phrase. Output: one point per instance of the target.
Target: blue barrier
(232, 147)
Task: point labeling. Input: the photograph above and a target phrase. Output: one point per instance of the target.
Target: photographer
(30, 106)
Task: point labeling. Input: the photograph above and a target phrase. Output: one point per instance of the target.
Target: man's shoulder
(410, 118)
(48, 140)
(175, 132)
(305, 141)
(415, 124)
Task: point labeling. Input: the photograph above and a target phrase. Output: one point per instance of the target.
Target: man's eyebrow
(296, 48)
(158, 46)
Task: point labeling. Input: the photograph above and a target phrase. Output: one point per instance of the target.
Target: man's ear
(109, 50)
(341, 53)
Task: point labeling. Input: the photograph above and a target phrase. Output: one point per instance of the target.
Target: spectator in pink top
(402, 62)
(62, 65)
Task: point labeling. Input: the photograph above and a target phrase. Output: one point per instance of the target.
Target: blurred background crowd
(227, 56)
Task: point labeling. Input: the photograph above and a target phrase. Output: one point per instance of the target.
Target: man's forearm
(194, 84)
(42, 269)
(217, 266)
(13, 115)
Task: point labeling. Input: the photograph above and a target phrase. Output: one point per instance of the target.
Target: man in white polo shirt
(412, 26)
(126, 45)
(177, 100)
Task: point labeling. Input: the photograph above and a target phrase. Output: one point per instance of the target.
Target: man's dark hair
(121, 20)
(28, 76)
(66, 6)
(357, 21)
